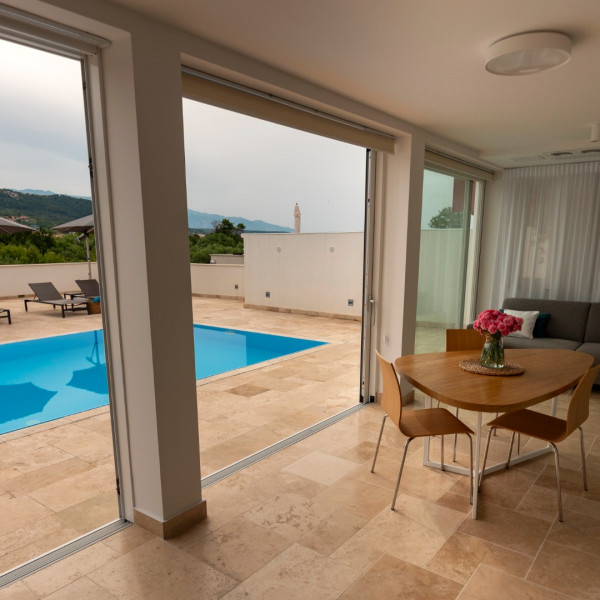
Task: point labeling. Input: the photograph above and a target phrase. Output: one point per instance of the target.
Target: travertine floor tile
(127, 539)
(82, 486)
(91, 513)
(158, 570)
(571, 572)
(507, 528)
(18, 591)
(239, 548)
(358, 497)
(332, 532)
(462, 554)
(322, 468)
(20, 512)
(296, 574)
(82, 588)
(290, 515)
(70, 569)
(394, 578)
(578, 532)
(488, 582)
(414, 532)
(34, 480)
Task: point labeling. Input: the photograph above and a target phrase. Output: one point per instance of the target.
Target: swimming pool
(49, 378)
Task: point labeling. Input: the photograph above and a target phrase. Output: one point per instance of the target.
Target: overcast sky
(42, 122)
(236, 166)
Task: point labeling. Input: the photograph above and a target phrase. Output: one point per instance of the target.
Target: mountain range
(205, 221)
(42, 208)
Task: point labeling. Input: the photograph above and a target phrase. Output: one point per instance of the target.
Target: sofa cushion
(529, 318)
(592, 331)
(550, 343)
(539, 329)
(568, 318)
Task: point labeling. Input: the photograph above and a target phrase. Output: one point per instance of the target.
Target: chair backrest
(391, 398)
(579, 406)
(463, 339)
(45, 291)
(89, 287)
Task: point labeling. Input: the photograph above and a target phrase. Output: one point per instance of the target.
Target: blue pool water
(50, 378)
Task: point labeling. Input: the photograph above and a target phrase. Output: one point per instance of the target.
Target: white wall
(227, 259)
(398, 233)
(314, 272)
(14, 279)
(218, 280)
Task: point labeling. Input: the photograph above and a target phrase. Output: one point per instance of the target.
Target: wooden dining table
(546, 375)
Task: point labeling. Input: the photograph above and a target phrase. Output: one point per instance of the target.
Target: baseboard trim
(173, 526)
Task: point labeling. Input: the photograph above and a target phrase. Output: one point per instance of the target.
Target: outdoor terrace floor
(310, 521)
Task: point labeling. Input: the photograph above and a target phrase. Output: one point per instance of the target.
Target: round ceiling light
(528, 53)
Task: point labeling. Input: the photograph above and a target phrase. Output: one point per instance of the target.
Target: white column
(142, 218)
(397, 235)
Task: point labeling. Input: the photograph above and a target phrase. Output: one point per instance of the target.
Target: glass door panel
(447, 258)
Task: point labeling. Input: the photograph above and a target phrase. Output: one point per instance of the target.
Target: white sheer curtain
(549, 234)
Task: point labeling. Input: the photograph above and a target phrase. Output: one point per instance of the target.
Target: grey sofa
(571, 326)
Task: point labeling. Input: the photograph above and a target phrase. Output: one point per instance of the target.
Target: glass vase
(492, 355)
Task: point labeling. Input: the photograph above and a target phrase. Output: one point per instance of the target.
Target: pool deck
(57, 479)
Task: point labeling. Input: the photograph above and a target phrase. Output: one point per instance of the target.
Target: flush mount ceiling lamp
(527, 53)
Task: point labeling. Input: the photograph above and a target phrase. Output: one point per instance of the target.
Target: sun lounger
(89, 289)
(46, 293)
(5, 316)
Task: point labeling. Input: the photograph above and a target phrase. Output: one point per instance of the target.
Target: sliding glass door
(447, 260)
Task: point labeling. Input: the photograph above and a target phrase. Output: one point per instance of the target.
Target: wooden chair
(463, 340)
(415, 423)
(550, 429)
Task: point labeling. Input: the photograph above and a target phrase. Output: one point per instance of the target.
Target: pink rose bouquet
(497, 323)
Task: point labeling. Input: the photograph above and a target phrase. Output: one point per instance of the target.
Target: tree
(43, 246)
(225, 239)
(447, 219)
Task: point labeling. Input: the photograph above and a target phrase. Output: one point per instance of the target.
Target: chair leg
(512, 441)
(487, 447)
(442, 466)
(455, 441)
(585, 487)
(471, 468)
(408, 441)
(378, 442)
(559, 497)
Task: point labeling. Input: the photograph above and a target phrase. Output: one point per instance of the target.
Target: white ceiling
(423, 61)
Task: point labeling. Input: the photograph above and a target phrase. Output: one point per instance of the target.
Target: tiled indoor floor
(57, 480)
(312, 522)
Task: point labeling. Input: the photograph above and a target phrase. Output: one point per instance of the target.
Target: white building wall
(218, 280)
(312, 272)
(14, 279)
